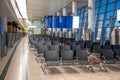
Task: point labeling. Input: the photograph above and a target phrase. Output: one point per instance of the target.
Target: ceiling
(36, 9)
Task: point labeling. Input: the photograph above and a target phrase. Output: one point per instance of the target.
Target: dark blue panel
(62, 21)
(69, 20)
(55, 22)
(50, 22)
(46, 21)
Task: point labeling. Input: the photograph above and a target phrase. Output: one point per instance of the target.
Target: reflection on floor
(25, 67)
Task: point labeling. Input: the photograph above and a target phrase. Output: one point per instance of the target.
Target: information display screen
(62, 21)
(75, 23)
(55, 22)
(69, 20)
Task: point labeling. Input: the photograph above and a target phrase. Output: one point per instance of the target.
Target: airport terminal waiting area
(62, 52)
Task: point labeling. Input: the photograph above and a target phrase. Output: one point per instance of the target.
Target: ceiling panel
(41, 8)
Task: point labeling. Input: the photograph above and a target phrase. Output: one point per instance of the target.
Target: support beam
(91, 21)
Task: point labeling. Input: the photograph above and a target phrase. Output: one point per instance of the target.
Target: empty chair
(95, 43)
(73, 43)
(88, 44)
(55, 42)
(117, 53)
(41, 49)
(106, 46)
(82, 59)
(54, 48)
(108, 56)
(65, 47)
(115, 46)
(51, 58)
(67, 57)
(76, 47)
(82, 44)
(96, 49)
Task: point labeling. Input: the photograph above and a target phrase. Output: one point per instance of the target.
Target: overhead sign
(31, 26)
(118, 15)
(75, 23)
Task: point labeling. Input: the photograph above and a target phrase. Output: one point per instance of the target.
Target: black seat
(82, 59)
(65, 47)
(82, 44)
(67, 57)
(106, 46)
(88, 44)
(51, 58)
(115, 47)
(108, 56)
(54, 48)
(96, 49)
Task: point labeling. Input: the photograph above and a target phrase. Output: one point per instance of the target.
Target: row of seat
(55, 52)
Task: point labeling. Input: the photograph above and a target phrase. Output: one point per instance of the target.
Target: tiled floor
(25, 67)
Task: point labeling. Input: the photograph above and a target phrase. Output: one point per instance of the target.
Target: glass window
(107, 23)
(102, 9)
(106, 33)
(99, 31)
(118, 5)
(110, 7)
(100, 24)
(109, 15)
(97, 3)
(103, 2)
(96, 10)
(110, 1)
(101, 16)
(117, 23)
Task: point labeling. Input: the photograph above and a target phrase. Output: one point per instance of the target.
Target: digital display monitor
(118, 15)
(75, 23)
(69, 20)
(55, 22)
(48, 22)
(62, 21)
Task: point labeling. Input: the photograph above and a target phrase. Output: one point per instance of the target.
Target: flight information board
(62, 21)
(55, 22)
(69, 21)
(48, 22)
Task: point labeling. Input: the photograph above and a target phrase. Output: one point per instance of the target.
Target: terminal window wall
(105, 18)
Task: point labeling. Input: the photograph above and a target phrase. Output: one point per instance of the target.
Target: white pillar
(74, 8)
(91, 19)
(58, 13)
(91, 9)
(65, 30)
(74, 13)
(64, 12)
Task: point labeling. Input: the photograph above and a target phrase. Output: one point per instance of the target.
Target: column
(74, 13)
(3, 24)
(91, 25)
(57, 30)
(65, 30)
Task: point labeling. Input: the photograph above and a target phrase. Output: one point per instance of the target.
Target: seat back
(108, 54)
(117, 52)
(81, 54)
(115, 46)
(54, 48)
(106, 47)
(76, 47)
(67, 55)
(42, 48)
(65, 47)
(51, 56)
